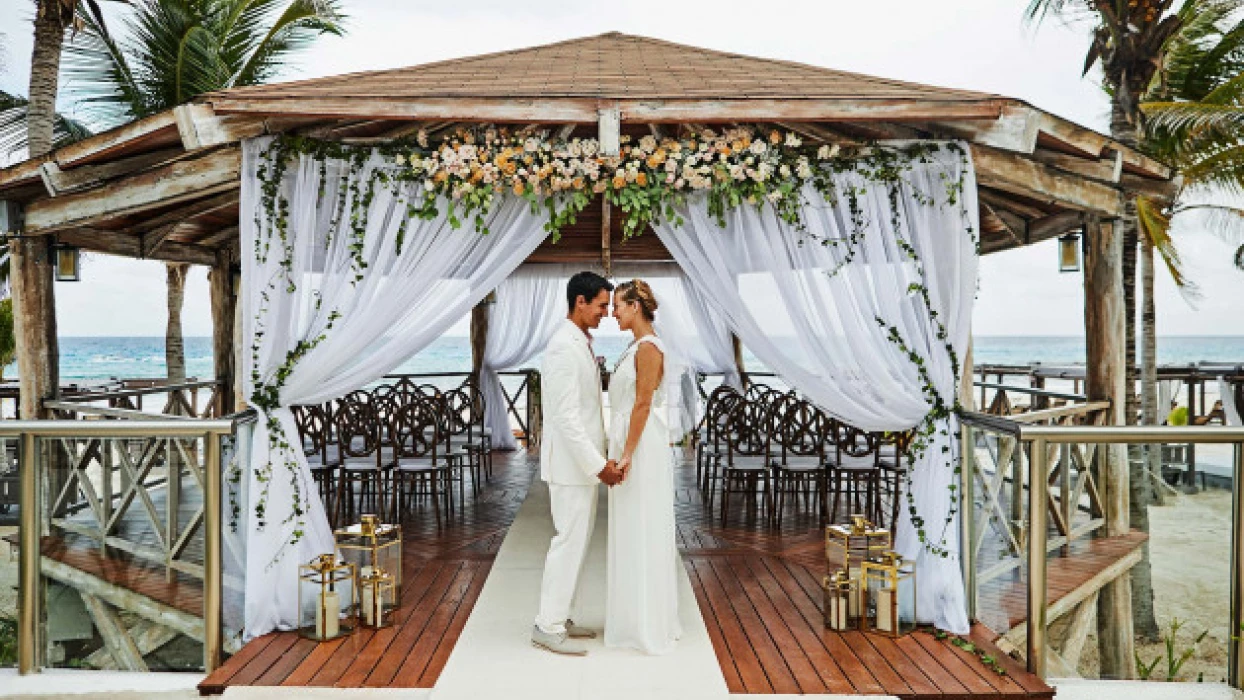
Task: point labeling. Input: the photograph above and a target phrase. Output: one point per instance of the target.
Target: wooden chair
(710, 441)
(360, 459)
(313, 431)
(746, 468)
(799, 431)
(479, 435)
(892, 462)
(420, 466)
(854, 473)
(457, 413)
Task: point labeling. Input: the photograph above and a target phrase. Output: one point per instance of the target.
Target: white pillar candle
(378, 601)
(369, 608)
(327, 614)
(838, 615)
(885, 610)
(853, 599)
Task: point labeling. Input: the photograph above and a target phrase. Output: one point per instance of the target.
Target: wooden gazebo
(166, 187)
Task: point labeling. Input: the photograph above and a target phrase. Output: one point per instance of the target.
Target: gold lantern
(842, 602)
(326, 598)
(371, 545)
(847, 547)
(376, 598)
(890, 589)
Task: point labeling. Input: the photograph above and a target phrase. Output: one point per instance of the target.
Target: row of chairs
(771, 448)
(398, 445)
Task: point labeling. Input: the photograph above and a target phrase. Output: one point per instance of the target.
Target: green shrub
(8, 641)
(1179, 416)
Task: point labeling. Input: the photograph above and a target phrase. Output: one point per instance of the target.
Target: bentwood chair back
(420, 466)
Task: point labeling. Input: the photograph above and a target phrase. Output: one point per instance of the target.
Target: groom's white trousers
(574, 515)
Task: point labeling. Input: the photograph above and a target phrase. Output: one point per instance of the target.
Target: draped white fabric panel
(402, 302)
(1231, 412)
(530, 304)
(820, 331)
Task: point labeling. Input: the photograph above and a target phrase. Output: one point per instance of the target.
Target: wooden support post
(739, 364)
(220, 279)
(116, 637)
(479, 331)
(1105, 380)
(34, 321)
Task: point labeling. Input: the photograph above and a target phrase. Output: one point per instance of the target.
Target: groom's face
(591, 312)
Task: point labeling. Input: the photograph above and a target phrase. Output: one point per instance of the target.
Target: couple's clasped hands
(615, 471)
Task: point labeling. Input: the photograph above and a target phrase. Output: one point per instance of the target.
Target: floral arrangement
(648, 179)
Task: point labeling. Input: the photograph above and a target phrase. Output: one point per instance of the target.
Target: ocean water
(96, 359)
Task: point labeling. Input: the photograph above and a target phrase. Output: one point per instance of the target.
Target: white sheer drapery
(399, 304)
(1230, 411)
(761, 270)
(530, 303)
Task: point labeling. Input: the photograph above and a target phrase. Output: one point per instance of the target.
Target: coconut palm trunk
(174, 343)
(50, 22)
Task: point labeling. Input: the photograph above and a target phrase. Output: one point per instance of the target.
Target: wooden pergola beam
(215, 172)
(1025, 177)
(131, 246)
(586, 110)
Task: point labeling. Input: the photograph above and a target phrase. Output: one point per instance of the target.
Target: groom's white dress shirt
(572, 453)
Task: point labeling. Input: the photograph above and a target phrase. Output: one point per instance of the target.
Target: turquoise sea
(100, 358)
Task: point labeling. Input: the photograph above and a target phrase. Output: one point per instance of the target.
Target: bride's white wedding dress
(641, 607)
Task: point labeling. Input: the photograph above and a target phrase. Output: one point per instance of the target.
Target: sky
(974, 44)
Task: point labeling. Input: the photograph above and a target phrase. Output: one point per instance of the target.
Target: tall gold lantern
(326, 598)
(377, 590)
(371, 545)
(890, 589)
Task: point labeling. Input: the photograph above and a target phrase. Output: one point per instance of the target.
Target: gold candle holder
(327, 599)
(371, 545)
(890, 589)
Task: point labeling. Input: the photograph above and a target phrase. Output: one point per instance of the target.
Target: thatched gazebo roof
(166, 186)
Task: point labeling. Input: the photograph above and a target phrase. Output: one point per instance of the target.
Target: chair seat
(848, 463)
(359, 464)
(419, 464)
(800, 464)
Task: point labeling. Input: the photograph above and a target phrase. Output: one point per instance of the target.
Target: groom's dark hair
(587, 285)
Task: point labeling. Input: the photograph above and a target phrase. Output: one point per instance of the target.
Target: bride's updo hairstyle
(639, 291)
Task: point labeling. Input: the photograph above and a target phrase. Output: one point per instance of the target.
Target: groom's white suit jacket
(572, 449)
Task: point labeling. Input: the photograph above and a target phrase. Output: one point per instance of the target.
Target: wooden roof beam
(1025, 177)
(585, 110)
(215, 172)
(58, 181)
(131, 246)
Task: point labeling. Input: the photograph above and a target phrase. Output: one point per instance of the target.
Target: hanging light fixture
(68, 263)
(1069, 252)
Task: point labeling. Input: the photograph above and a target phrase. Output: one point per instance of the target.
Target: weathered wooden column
(220, 280)
(739, 364)
(1105, 381)
(479, 331)
(34, 319)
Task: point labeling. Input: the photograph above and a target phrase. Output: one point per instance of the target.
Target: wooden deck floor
(443, 570)
(758, 590)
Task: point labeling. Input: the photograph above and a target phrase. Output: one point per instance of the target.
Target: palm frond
(1155, 226)
(1224, 222)
(13, 126)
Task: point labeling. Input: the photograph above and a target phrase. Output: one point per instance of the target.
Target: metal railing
(32, 434)
(1038, 440)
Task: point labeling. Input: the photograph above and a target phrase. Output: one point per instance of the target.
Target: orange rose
(578, 183)
(619, 182)
(641, 179)
(518, 187)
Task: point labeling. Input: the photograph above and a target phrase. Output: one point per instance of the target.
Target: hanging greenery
(649, 179)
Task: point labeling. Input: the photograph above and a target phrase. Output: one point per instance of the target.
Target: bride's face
(624, 312)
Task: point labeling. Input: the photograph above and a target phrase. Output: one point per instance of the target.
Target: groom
(572, 459)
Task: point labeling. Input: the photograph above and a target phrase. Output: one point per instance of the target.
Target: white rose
(758, 147)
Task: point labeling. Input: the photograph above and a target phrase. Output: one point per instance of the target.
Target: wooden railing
(522, 403)
(1056, 453)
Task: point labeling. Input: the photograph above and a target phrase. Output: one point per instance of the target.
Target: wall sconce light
(68, 263)
(1069, 252)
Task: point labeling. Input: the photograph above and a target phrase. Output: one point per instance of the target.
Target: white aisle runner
(494, 657)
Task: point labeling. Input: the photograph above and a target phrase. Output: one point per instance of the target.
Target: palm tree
(14, 121)
(174, 50)
(1130, 40)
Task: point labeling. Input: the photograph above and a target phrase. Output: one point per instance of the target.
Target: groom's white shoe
(576, 632)
(556, 643)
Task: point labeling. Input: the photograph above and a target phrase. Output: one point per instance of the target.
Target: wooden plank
(750, 671)
(130, 246)
(947, 685)
(216, 682)
(962, 672)
(412, 630)
(734, 683)
(265, 659)
(60, 181)
(450, 639)
(184, 180)
(1035, 687)
(801, 669)
(585, 110)
(199, 126)
(420, 654)
(116, 637)
(910, 671)
(1023, 176)
(289, 661)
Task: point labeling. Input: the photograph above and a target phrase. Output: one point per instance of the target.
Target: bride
(641, 609)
